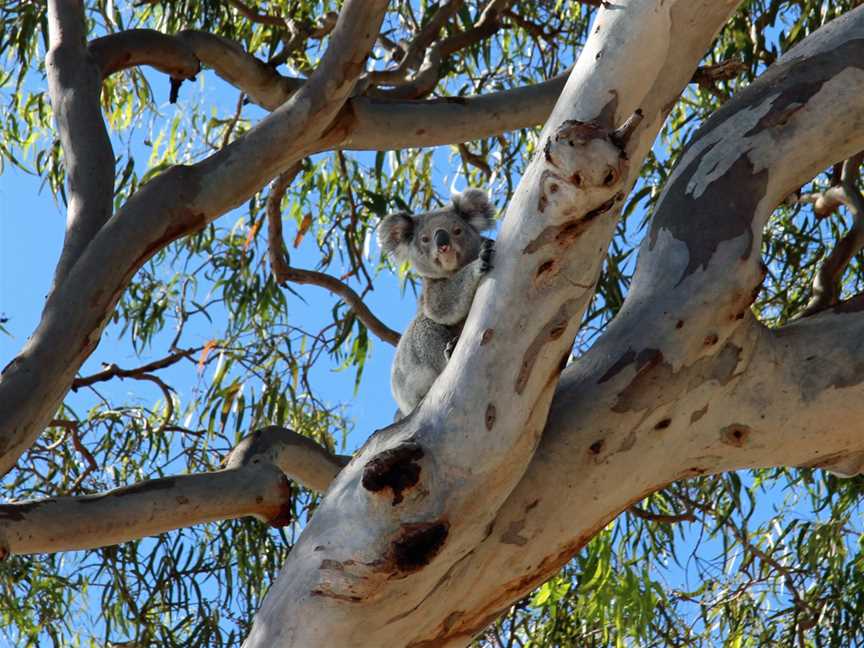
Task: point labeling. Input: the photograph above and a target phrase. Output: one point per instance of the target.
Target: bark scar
(396, 469)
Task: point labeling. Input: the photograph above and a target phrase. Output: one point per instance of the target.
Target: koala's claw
(487, 251)
(451, 346)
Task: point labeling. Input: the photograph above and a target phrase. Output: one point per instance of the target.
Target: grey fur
(446, 249)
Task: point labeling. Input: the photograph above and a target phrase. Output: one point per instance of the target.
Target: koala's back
(419, 359)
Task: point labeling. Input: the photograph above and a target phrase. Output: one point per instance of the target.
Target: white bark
(679, 385)
(422, 495)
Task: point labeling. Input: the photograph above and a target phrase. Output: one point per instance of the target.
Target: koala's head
(438, 243)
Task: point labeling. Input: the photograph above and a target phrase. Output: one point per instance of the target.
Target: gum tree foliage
(769, 556)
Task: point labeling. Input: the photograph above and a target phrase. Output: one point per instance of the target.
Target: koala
(446, 249)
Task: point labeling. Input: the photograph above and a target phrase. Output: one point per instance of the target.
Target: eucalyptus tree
(586, 433)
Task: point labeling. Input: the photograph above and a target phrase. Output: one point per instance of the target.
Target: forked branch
(284, 273)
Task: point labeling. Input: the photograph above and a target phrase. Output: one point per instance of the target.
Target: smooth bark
(372, 557)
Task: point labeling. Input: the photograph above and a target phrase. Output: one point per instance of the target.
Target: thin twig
(708, 75)
(232, 124)
(283, 272)
(113, 371)
(349, 296)
(84, 452)
(275, 241)
(474, 160)
(826, 283)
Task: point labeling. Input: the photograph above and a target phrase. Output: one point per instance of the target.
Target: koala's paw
(487, 251)
(451, 346)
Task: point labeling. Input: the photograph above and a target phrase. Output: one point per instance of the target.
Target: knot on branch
(586, 166)
(396, 469)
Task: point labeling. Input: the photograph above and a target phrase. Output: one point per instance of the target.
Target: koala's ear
(395, 233)
(474, 206)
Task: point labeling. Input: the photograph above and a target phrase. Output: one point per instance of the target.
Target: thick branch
(371, 124)
(135, 47)
(261, 82)
(74, 83)
(253, 483)
(147, 508)
(425, 492)
(684, 365)
(364, 123)
(299, 457)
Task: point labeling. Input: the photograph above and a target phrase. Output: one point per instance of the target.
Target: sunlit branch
(253, 483)
(134, 47)
(74, 84)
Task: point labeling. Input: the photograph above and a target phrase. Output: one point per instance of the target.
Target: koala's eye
(457, 231)
(424, 238)
(611, 177)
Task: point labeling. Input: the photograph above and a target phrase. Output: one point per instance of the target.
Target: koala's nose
(442, 240)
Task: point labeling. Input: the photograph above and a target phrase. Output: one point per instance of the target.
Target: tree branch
(680, 367)
(365, 122)
(300, 32)
(175, 203)
(254, 16)
(135, 47)
(147, 508)
(419, 84)
(708, 75)
(74, 85)
(252, 483)
(826, 283)
(283, 272)
(488, 23)
(275, 241)
(260, 81)
(113, 371)
(661, 518)
(348, 295)
(371, 124)
(299, 457)
(415, 50)
(421, 534)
